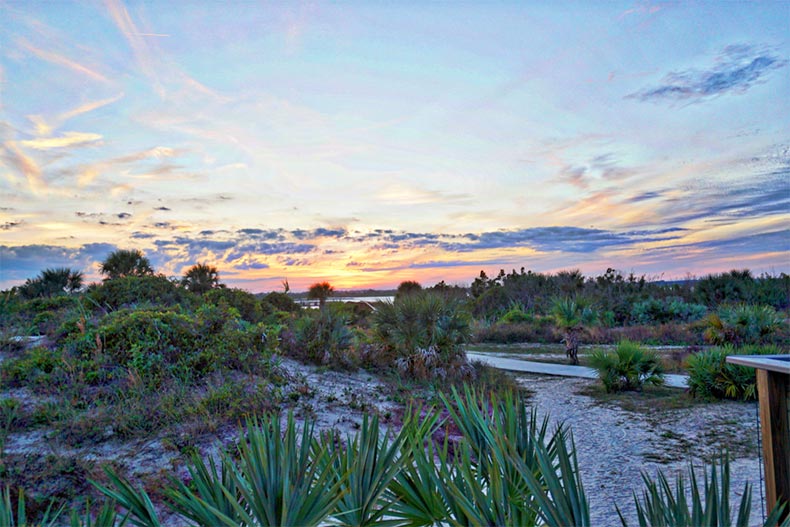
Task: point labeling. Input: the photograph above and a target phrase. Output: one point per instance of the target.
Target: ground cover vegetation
(141, 356)
(501, 466)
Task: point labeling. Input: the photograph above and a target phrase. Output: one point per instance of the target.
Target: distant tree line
(626, 299)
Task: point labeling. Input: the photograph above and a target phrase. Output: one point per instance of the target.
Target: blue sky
(370, 143)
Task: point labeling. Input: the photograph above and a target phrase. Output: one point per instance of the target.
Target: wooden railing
(773, 389)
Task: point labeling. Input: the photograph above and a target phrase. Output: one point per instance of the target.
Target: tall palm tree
(320, 291)
(124, 262)
(201, 278)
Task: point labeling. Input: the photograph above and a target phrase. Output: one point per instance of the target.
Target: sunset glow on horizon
(369, 143)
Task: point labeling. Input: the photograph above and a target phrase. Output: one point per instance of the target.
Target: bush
(248, 306)
(282, 302)
(743, 324)
(516, 315)
(130, 291)
(160, 343)
(36, 366)
(319, 336)
(671, 309)
(427, 330)
(629, 367)
(712, 377)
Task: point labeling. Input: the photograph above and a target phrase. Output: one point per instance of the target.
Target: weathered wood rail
(773, 389)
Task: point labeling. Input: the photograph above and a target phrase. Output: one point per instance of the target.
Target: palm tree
(52, 282)
(320, 291)
(201, 278)
(571, 316)
(124, 262)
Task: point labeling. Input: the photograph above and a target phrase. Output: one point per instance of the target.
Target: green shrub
(160, 343)
(248, 306)
(516, 315)
(628, 367)
(129, 291)
(711, 376)
(282, 302)
(319, 336)
(743, 324)
(662, 311)
(36, 367)
(427, 330)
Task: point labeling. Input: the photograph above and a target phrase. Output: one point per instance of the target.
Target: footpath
(564, 370)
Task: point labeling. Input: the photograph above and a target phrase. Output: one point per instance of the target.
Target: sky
(367, 143)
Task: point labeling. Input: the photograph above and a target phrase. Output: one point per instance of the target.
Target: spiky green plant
(711, 376)
(510, 470)
(212, 497)
(141, 510)
(709, 506)
(417, 490)
(742, 324)
(366, 467)
(426, 329)
(558, 492)
(628, 367)
(19, 519)
(282, 480)
(106, 516)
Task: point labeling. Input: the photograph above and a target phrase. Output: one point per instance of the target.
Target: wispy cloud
(140, 48)
(408, 195)
(737, 68)
(18, 160)
(62, 60)
(45, 127)
(68, 139)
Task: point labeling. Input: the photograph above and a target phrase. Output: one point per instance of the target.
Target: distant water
(368, 299)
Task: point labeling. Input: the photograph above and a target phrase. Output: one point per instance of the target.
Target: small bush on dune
(35, 367)
(629, 367)
(249, 307)
(320, 336)
(712, 377)
(282, 302)
(132, 291)
(160, 343)
(427, 330)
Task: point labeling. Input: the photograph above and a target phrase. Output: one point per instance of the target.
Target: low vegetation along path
(564, 370)
(616, 440)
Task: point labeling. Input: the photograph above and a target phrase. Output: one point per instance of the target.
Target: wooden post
(772, 389)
